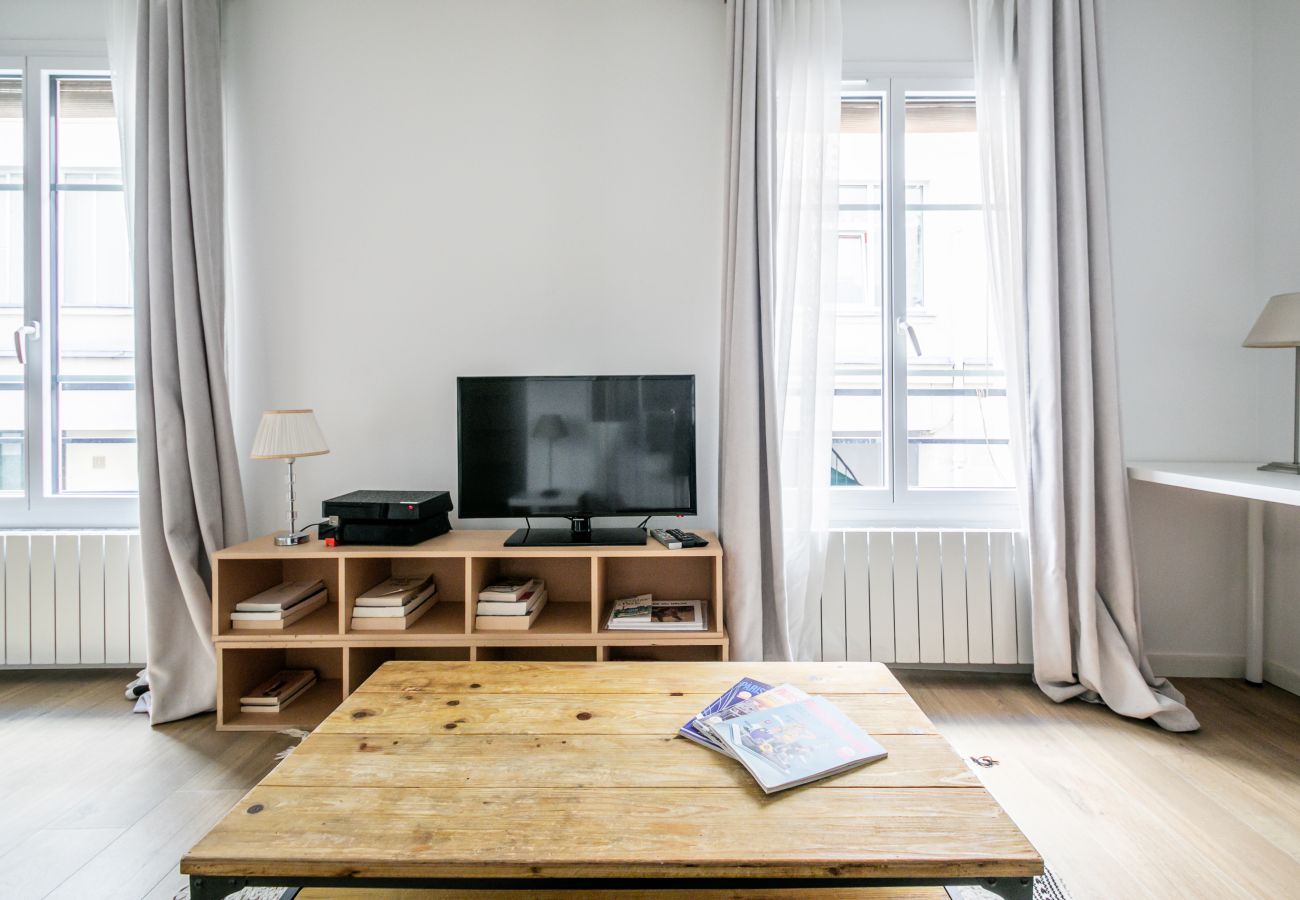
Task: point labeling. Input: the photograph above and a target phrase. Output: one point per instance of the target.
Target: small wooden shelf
(581, 583)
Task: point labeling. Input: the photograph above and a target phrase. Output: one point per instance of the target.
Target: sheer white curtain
(778, 321)
(1045, 186)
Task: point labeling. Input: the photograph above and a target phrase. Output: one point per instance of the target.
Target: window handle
(905, 327)
(22, 334)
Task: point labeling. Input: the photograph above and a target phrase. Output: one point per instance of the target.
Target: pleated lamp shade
(288, 434)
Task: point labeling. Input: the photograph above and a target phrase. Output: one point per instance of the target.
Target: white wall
(53, 20)
(1176, 81)
(420, 190)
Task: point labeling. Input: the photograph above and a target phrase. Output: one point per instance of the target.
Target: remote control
(676, 539)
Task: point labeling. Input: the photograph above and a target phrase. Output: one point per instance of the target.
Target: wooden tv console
(581, 583)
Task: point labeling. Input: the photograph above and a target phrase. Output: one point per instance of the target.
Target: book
(283, 702)
(743, 689)
(271, 621)
(384, 612)
(510, 608)
(796, 743)
(281, 597)
(708, 725)
(395, 623)
(510, 589)
(280, 685)
(510, 623)
(399, 590)
(644, 613)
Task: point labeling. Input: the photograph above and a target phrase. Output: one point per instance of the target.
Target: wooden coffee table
(570, 776)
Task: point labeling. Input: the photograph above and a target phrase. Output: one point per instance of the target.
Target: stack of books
(781, 735)
(279, 607)
(395, 604)
(644, 613)
(278, 691)
(511, 604)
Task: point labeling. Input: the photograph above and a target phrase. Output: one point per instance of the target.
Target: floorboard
(97, 804)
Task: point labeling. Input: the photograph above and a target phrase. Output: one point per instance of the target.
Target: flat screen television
(576, 447)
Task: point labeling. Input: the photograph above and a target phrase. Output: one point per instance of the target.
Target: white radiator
(71, 598)
(926, 597)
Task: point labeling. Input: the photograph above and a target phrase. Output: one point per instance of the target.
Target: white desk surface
(1235, 479)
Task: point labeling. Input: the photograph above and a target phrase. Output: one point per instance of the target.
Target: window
(67, 411)
(921, 419)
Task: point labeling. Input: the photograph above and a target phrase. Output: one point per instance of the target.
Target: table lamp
(289, 434)
(1279, 326)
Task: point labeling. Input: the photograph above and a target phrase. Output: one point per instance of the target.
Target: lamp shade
(288, 434)
(1278, 325)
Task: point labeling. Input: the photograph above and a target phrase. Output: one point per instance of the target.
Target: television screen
(576, 446)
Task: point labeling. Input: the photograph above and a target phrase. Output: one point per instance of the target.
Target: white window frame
(897, 504)
(38, 506)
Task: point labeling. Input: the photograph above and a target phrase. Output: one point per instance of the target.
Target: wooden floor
(95, 804)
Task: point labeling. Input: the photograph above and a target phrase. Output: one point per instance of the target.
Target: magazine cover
(799, 742)
(777, 696)
(631, 611)
(743, 689)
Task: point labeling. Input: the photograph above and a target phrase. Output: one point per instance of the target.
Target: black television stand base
(565, 537)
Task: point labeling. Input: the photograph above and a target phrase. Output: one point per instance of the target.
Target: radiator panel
(71, 598)
(926, 596)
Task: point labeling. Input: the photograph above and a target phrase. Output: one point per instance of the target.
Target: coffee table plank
(475, 712)
(679, 832)
(624, 678)
(574, 761)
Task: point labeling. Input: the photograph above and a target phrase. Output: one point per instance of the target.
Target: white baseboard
(1285, 678)
(1198, 665)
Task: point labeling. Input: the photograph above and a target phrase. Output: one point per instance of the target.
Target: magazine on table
(709, 725)
(743, 689)
(795, 743)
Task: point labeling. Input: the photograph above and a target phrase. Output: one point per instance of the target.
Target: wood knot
(449, 726)
(833, 870)
(363, 713)
(476, 685)
(453, 703)
(255, 809)
(675, 694)
(584, 716)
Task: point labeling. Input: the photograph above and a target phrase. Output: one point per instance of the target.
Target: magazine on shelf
(511, 623)
(796, 743)
(644, 613)
(510, 589)
(708, 725)
(384, 612)
(281, 597)
(283, 702)
(511, 607)
(275, 689)
(367, 620)
(272, 621)
(743, 689)
(399, 590)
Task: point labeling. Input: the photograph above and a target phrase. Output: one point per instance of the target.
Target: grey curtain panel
(167, 81)
(777, 333)
(1036, 63)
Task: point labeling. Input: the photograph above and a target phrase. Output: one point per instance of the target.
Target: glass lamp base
(291, 538)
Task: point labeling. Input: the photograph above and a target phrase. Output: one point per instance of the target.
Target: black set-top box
(386, 517)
